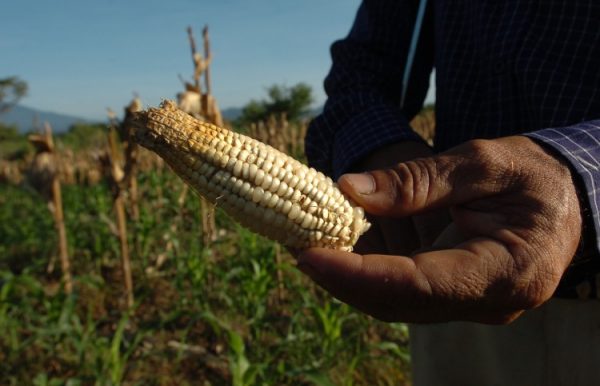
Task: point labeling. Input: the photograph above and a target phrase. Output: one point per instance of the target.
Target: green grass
(208, 316)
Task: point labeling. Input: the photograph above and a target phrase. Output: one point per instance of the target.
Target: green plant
(293, 101)
(221, 306)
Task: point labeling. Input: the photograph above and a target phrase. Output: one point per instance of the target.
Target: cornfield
(112, 272)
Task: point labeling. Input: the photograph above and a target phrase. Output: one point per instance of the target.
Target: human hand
(516, 226)
(417, 231)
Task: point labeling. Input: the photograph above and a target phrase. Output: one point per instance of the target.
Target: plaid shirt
(508, 67)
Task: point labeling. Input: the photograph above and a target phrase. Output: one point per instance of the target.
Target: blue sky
(80, 57)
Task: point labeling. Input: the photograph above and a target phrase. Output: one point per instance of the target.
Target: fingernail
(363, 183)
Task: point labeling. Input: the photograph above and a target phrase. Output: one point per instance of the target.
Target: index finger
(469, 282)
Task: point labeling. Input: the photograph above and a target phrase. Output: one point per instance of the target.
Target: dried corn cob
(262, 188)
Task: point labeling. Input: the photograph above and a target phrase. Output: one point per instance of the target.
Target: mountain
(231, 113)
(23, 117)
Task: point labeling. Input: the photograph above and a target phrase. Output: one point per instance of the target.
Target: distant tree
(13, 145)
(83, 135)
(12, 89)
(294, 101)
(8, 132)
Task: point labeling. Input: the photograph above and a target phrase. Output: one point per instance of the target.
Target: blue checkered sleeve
(364, 86)
(579, 144)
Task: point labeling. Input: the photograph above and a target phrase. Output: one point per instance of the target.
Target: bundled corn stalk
(131, 156)
(122, 180)
(202, 105)
(44, 177)
(113, 170)
(262, 188)
(10, 172)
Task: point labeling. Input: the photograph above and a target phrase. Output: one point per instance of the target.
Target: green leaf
(319, 379)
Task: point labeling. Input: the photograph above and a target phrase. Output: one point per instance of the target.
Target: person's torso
(508, 67)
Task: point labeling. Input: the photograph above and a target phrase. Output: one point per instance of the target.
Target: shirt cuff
(579, 144)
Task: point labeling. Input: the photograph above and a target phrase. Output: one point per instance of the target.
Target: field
(228, 313)
(130, 285)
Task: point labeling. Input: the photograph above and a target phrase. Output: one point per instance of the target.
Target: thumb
(416, 186)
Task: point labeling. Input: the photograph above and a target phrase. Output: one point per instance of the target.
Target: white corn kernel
(264, 189)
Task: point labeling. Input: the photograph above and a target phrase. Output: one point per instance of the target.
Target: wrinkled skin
(513, 227)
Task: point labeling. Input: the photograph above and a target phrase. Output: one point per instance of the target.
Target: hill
(231, 113)
(23, 117)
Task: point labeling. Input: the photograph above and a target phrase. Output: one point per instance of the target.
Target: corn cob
(264, 189)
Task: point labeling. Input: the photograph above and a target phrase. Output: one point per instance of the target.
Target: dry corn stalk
(44, 175)
(262, 188)
(117, 175)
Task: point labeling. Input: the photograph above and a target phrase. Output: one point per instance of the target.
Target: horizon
(79, 58)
